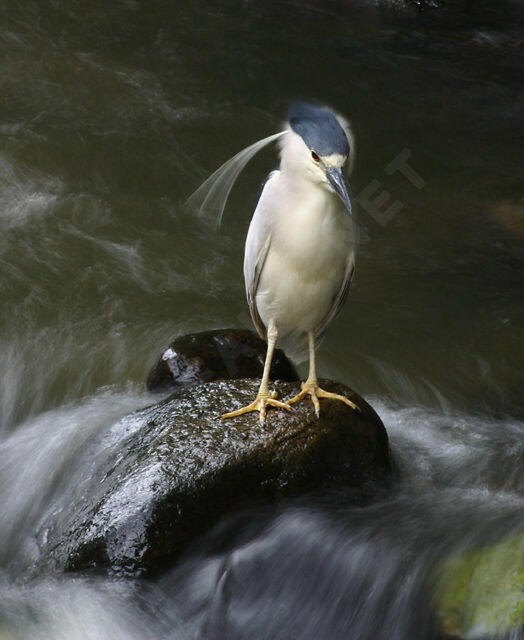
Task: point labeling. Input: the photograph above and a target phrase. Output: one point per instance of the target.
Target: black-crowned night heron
(301, 244)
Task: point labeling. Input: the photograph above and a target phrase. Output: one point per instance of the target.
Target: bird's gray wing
(338, 300)
(251, 296)
(258, 242)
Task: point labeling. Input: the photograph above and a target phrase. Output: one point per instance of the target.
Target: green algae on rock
(481, 592)
(169, 472)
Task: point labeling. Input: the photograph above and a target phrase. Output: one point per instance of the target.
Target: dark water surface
(111, 114)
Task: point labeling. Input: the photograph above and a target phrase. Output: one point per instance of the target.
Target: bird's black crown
(319, 128)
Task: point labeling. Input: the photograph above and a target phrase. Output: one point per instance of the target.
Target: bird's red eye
(314, 156)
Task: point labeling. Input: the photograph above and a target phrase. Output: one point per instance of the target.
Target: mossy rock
(481, 592)
(169, 472)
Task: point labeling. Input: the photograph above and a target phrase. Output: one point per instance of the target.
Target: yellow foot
(260, 404)
(313, 390)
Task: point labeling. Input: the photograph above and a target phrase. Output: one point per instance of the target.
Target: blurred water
(110, 116)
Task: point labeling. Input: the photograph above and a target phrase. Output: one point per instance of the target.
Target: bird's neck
(304, 184)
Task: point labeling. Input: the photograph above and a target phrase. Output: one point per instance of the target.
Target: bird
(300, 249)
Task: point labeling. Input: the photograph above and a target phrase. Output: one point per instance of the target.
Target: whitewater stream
(111, 114)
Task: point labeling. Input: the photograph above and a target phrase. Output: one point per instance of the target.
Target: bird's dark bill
(336, 179)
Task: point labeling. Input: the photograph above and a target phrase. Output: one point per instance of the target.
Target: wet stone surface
(223, 354)
(165, 474)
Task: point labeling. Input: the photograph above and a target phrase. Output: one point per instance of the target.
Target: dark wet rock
(165, 474)
(223, 354)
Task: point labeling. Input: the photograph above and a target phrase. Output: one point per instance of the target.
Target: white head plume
(211, 197)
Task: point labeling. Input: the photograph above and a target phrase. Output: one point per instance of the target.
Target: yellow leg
(264, 398)
(310, 386)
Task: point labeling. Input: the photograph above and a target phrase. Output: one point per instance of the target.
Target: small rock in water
(480, 592)
(223, 354)
(165, 474)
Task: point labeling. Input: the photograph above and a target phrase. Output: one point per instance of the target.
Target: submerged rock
(165, 474)
(480, 592)
(223, 354)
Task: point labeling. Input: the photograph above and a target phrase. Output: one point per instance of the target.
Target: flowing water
(111, 114)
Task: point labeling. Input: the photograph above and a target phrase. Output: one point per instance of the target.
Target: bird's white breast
(306, 262)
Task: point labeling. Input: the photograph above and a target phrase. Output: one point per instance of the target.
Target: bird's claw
(260, 404)
(316, 392)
